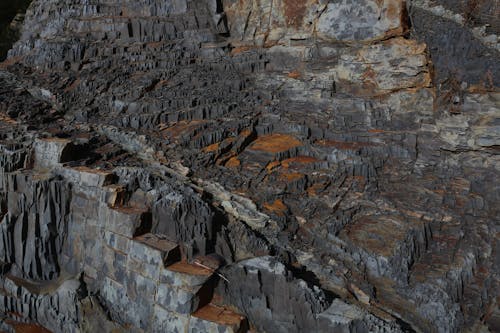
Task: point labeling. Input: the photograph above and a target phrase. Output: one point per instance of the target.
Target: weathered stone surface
(268, 22)
(34, 225)
(213, 318)
(366, 20)
(283, 165)
(383, 68)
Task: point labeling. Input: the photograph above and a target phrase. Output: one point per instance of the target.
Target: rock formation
(263, 166)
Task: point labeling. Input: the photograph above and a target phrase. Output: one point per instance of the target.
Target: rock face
(264, 166)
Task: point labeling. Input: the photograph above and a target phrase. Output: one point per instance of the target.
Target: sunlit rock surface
(262, 166)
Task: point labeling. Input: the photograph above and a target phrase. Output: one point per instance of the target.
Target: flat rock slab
(169, 251)
(220, 318)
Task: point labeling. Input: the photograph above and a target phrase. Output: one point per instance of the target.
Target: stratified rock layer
(273, 166)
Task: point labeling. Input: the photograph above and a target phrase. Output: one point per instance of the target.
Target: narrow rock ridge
(251, 166)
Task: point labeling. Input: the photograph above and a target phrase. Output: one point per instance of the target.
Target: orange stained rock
(219, 314)
(275, 143)
(378, 234)
(182, 127)
(375, 130)
(6, 119)
(294, 75)
(299, 160)
(191, 269)
(233, 162)
(246, 133)
(406, 46)
(28, 328)
(241, 49)
(290, 177)
(394, 10)
(295, 10)
(369, 75)
(272, 165)
(154, 44)
(482, 89)
(277, 207)
(313, 190)
(212, 148)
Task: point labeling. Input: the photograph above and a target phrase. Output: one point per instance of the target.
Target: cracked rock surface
(251, 166)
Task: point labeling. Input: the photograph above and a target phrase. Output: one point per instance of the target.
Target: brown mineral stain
(273, 165)
(182, 127)
(246, 133)
(377, 234)
(295, 10)
(212, 148)
(409, 46)
(313, 190)
(154, 44)
(294, 75)
(299, 160)
(393, 12)
(191, 269)
(275, 143)
(277, 207)
(6, 119)
(369, 79)
(241, 49)
(29, 328)
(290, 177)
(233, 162)
(219, 314)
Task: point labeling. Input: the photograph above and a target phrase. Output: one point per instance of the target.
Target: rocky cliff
(263, 166)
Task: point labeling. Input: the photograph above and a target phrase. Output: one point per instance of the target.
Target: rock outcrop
(264, 166)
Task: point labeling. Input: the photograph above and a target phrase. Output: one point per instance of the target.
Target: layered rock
(278, 166)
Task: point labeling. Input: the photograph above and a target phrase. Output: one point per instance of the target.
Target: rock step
(86, 176)
(186, 287)
(214, 318)
(186, 268)
(194, 274)
(448, 263)
(132, 222)
(394, 241)
(168, 251)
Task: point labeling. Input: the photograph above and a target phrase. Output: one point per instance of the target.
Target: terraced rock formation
(262, 166)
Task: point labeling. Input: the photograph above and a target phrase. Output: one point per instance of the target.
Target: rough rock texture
(272, 166)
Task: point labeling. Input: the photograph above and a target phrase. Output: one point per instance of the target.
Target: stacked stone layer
(274, 166)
